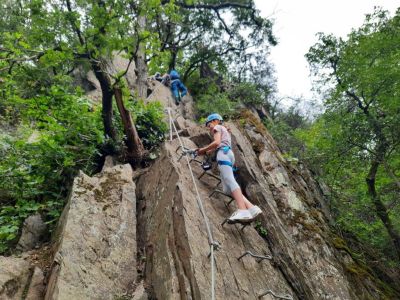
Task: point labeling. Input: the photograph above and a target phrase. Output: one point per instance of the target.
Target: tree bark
(107, 93)
(136, 151)
(172, 61)
(140, 60)
(380, 207)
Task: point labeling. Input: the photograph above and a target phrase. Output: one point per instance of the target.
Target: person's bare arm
(211, 146)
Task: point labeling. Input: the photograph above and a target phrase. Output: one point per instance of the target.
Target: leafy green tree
(362, 109)
(217, 32)
(57, 134)
(62, 35)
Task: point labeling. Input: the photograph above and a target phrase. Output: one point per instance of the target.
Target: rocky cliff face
(140, 235)
(305, 264)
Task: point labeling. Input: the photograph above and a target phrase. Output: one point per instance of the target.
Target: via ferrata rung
(211, 175)
(217, 191)
(259, 257)
(287, 297)
(243, 223)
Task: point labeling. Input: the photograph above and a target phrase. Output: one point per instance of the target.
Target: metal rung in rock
(217, 191)
(220, 192)
(259, 257)
(287, 297)
(212, 175)
(244, 224)
(196, 160)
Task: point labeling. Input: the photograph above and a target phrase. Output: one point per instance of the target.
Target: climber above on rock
(178, 89)
(222, 143)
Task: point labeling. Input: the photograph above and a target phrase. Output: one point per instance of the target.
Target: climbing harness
(225, 163)
(225, 149)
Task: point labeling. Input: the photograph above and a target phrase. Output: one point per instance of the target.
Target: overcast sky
(295, 27)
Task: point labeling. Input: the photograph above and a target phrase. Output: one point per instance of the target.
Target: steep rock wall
(95, 247)
(118, 240)
(307, 262)
(176, 244)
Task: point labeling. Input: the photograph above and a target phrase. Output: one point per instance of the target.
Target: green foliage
(262, 231)
(149, 122)
(344, 169)
(283, 126)
(209, 98)
(359, 128)
(246, 93)
(219, 33)
(57, 134)
(215, 102)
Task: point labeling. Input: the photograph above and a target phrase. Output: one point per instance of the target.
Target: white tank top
(225, 136)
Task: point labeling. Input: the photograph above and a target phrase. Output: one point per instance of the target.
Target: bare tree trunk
(136, 151)
(380, 207)
(172, 62)
(107, 93)
(140, 61)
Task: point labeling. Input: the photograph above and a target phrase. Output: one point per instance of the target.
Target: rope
(211, 241)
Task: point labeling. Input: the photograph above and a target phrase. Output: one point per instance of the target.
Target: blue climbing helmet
(174, 74)
(213, 117)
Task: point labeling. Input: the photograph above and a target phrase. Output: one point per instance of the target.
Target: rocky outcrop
(307, 260)
(121, 240)
(159, 92)
(175, 243)
(95, 255)
(20, 280)
(33, 231)
(87, 80)
(14, 276)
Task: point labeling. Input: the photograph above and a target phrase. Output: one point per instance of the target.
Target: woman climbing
(222, 143)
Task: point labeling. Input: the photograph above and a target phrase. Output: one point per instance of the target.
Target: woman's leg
(239, 198)
(247, 202)
(229, 182)
(241, 201)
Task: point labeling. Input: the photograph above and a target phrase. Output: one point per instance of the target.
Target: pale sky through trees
(295, 27)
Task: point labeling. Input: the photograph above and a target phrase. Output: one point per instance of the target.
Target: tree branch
(75, 28)
(211, 6)
(223, 23)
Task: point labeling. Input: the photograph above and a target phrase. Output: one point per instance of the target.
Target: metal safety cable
(200, 204)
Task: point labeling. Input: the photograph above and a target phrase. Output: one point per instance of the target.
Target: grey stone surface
(96, 239)
(140, 293)
(36, 287)
(14, 276)
(161, 93)
(32, 232)
(177, 244)
(305, 262)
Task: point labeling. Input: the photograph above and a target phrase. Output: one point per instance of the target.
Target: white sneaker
(241, 215)
(255, 211)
